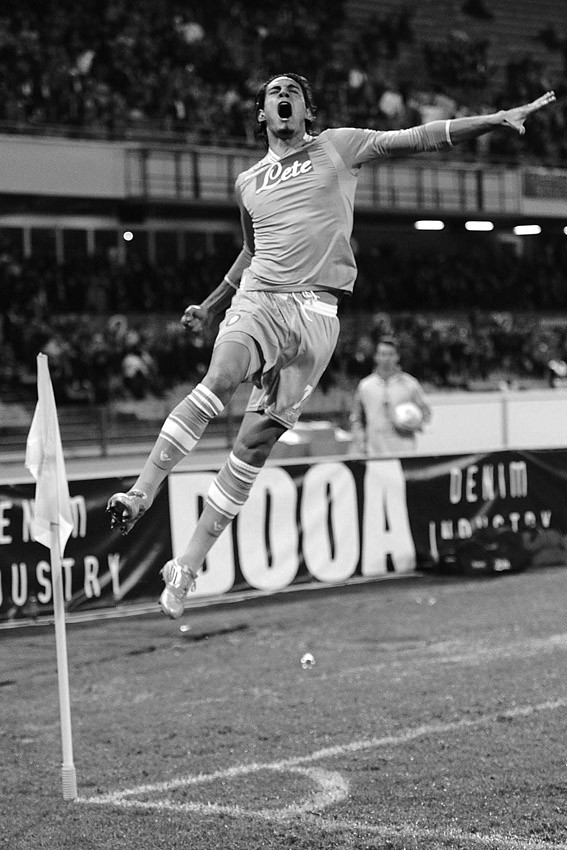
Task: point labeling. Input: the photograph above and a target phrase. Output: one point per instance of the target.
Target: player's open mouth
(284, 109)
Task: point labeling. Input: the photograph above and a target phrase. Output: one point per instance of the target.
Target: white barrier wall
(62, 167)
(502, 420)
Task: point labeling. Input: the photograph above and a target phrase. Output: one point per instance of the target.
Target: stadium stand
(161, 71)
(152, 70)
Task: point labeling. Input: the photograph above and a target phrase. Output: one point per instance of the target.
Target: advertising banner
(325, 521)
(99, 567)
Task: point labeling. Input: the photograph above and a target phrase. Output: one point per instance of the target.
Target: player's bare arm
(462, 129)
(197, 316)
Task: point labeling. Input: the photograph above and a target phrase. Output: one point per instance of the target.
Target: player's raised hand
(195, 318)
(516, 117)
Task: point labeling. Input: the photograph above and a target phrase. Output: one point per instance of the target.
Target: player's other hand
(516, 117)
(194, 318)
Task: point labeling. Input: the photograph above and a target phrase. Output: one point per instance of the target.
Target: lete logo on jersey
(284, 170)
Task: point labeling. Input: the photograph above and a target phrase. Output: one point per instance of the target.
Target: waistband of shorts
(314, 302)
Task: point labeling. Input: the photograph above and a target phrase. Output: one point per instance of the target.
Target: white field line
(491, 841)
(455, 653)
(332, 788)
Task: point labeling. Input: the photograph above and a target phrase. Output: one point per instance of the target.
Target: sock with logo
(225, 497)
(180, 432)
(232, 486)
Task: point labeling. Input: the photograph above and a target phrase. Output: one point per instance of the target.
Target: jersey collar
(273, 157)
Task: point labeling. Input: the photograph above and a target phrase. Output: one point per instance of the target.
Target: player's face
(386, 358)
(284, 109)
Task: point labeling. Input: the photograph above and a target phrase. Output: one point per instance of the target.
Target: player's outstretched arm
(436, 135)
(462, 129)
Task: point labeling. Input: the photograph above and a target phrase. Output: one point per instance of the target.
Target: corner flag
(52, 524)
(44, 459)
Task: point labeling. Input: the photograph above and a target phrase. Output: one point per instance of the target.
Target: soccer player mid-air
(280, 295)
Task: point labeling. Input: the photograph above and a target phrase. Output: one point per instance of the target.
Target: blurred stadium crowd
(124, 68)
(112, 331)
(154, 69)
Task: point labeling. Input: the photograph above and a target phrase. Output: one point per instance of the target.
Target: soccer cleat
(125, 509)
(179, 580)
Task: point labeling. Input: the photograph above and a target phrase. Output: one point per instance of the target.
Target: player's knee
(222, 383)
(254, 444)
(255, 455)
(226, 372)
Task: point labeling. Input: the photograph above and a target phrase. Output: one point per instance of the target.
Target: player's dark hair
(261, 131)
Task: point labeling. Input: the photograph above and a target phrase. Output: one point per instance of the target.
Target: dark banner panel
(326, 521)
(453, 497)
(100, 567)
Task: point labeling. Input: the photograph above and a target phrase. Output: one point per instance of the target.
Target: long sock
(232, 486)
(226, 496)
(180, 432)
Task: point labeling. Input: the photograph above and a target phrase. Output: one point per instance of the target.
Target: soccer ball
(408, 418)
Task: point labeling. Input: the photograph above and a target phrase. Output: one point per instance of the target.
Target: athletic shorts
(291, 337)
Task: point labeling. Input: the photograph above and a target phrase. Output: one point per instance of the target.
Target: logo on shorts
(307, 392)
(284, 170)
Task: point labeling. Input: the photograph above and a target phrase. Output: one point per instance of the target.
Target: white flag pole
(52, 525)
(68, 773)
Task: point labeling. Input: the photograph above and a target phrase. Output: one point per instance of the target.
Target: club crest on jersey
(284, 170)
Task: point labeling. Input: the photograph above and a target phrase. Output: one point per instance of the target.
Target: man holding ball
(389, 407)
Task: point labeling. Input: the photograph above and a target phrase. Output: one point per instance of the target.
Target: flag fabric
(44, 459)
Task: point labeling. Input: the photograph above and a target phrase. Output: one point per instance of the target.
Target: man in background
(389, 407)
